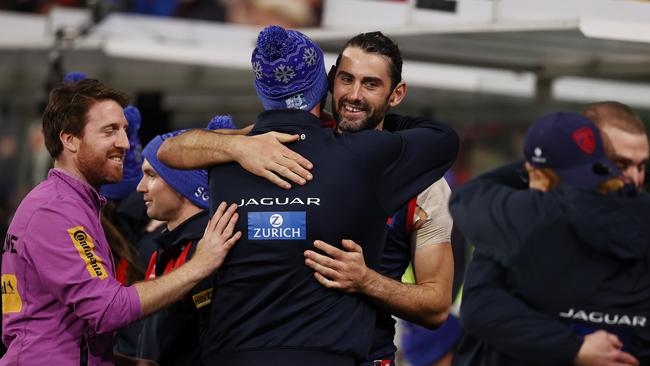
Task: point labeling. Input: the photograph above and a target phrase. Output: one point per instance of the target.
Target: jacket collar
(85, 190)
(191, 229)
(274, 119)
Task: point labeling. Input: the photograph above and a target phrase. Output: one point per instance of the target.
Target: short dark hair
(67, 107)
(377, 42)
(614, 114)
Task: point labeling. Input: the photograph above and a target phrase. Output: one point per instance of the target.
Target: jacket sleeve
(396, 122)
(492, 313)
(402, 164)
(69, 262)
(496, 214)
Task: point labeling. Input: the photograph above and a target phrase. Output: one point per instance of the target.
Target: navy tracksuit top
(394, 262)
(171, 336)
(267, 304)
(396, 256)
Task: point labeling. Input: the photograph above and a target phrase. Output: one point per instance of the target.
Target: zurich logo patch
(290, 225)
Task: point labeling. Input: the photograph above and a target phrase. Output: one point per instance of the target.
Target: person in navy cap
(570, 242)
(625, 143)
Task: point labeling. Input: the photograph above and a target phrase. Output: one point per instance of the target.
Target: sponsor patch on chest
(288, 225)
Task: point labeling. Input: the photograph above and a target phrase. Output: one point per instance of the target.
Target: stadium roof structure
(556, 55)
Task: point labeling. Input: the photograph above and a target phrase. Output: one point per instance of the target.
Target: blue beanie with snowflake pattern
(289, 70)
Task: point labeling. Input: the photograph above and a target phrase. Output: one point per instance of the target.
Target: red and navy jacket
(394, 261)
(396, 256)
(172, 335)
(269, 306)
(550, 268)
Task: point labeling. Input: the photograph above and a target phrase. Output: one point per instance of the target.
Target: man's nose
(355, 91)
(122, 140)
(633, 176)
(142, 185)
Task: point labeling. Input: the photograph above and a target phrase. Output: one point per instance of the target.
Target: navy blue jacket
(547, 263)
(268, 304)
(395, 259)
(396, 256)
(172, 335)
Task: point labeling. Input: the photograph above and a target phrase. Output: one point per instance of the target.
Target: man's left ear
(330, 79)
(399, 92)
(69, 141)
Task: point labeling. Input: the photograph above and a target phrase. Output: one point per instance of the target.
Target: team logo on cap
(585, 139)
(538, 157)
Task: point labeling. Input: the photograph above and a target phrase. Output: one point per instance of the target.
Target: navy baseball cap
(570, 145)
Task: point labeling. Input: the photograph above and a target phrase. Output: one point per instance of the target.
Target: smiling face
(162, 201)
(362, 90)
(102, 144)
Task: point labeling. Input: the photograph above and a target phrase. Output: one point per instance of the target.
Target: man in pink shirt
(61, 303)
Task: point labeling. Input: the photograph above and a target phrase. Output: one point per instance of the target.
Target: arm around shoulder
(264, 155)
(422, 157)
(198, 149)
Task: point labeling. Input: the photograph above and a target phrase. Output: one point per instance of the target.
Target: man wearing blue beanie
(368, 80)
(268, 305)
(180, 199)
(289, 70)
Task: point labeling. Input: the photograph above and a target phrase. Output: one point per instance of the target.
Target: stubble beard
(98, 170)
(371, 122)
